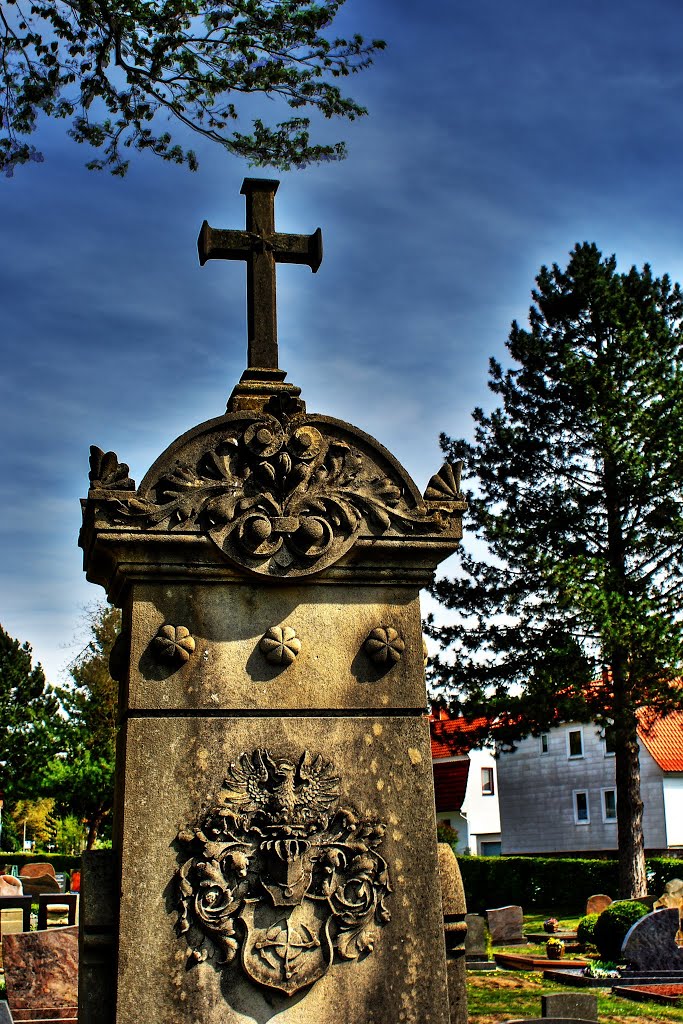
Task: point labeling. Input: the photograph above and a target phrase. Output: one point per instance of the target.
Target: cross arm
(225, 244)
(221, 244)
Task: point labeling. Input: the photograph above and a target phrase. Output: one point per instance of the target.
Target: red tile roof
(450, 783)
(663, 738)
(452, 736)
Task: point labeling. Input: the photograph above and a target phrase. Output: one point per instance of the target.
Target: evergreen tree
(82, 780)
(569, 606)
(28, 706)
(114, 70)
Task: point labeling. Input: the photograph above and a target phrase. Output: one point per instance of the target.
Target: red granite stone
(41, 968)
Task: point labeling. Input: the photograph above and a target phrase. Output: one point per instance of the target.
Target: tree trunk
(632, 877)
(93, 829)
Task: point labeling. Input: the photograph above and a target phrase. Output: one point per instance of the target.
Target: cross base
(257, 386)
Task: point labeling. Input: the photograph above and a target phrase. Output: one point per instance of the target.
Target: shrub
(612, 925)
(586, 928)
(445, 833)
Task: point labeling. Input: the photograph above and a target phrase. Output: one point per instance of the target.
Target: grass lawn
(493, 998)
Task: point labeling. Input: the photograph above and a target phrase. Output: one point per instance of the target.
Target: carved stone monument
(275, 840)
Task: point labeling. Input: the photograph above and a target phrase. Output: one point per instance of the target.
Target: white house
(557, 791)
(465, 785)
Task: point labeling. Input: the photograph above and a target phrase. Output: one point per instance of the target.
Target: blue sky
(499, 135)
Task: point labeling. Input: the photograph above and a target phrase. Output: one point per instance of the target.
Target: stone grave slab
(650, 944)
(505, 925)
(597, 903)
(41, 971)
(570, 1004)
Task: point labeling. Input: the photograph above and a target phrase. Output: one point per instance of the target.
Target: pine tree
(28, 706)
(569, 606)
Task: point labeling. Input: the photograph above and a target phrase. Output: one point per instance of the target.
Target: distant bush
(59, 861)
(585, 929)
(612, 925)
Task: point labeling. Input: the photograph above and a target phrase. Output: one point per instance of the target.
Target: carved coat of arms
(282, 874)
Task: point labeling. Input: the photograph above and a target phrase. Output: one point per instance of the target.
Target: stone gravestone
(505, 925)
(476, 944)
(41, 974)
(455, 928)
(583, 1005)
(597, 903)
(274, 837)
(650, 944)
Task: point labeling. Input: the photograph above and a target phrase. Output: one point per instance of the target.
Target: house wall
(477, 821)
(537, 803)
(456, 820)
(673, 809)
(481, 810)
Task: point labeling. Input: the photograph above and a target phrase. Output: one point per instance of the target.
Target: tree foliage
(569, 605)
(33, 818)
(82, 779)
(115, 70)
(28, 706)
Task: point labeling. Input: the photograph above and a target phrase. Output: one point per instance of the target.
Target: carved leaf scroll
(278, 870)
(279, 498)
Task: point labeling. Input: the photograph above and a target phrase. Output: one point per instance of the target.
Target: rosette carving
(279, 498)
(174, 643)
(280, 645)
(384, 646)
(282, 874)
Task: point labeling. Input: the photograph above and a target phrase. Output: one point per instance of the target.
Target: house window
(608, 740)
(575, 743)
(581, 811)
(487, 782)
(609, 805)
(544, 742)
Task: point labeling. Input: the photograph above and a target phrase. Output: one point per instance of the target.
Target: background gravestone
(275, 837)
(505, 925)
(650, 944)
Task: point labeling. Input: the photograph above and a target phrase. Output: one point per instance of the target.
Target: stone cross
(261, 247)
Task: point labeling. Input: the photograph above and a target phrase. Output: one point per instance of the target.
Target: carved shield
(286, 948)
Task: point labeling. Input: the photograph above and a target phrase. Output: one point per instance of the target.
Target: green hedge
(59, 861)
(548, 882)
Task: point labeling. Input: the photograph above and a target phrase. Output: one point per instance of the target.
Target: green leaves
(577, 502)
(116, 69)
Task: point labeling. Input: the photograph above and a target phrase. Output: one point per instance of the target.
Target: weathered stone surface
(454, 907)
(650, 944)
(98, 913)
(10, 886)
(570, 1004)
(505, 925)
(37, 869)
(476, 944)
(672, 895)
(229, 671)
(41, 968)
(34, 885)
(404, 975)
(597, 903)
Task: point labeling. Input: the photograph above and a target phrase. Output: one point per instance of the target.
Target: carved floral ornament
(278, 495)
(282, 874)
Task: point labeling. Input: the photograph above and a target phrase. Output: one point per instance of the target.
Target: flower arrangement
(550, 924)
(554, 949)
